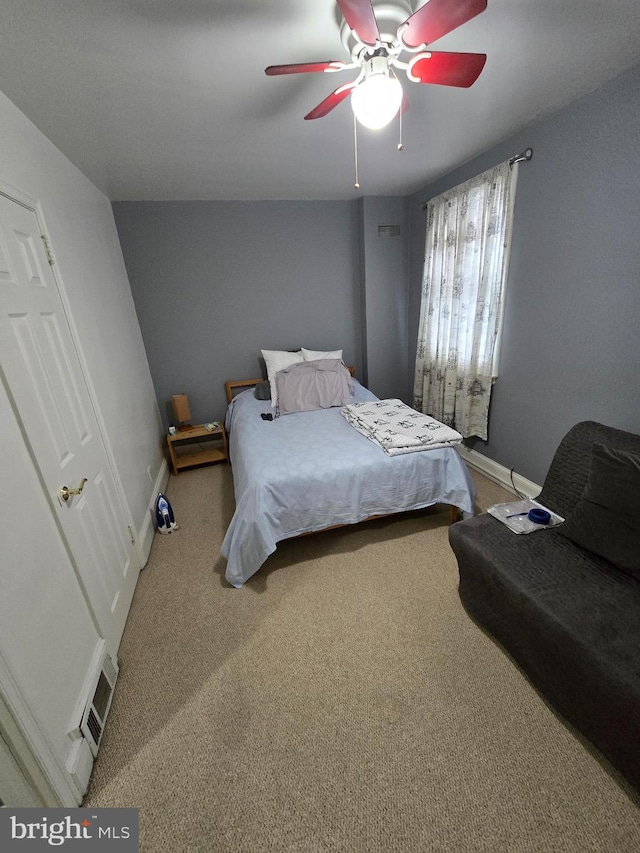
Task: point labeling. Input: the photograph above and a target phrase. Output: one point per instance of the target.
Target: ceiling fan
(376, 40)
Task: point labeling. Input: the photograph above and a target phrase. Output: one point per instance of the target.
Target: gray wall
(571, 344)
(216, 282)
(385, 261)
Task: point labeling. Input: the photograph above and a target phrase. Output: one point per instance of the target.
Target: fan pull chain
(400, 111)
(355, 151)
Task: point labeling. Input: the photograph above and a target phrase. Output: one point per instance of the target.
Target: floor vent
(95, 714)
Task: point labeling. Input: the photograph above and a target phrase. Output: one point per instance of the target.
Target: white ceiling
(167, 99)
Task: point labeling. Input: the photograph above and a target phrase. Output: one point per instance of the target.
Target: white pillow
(276, 360)
(316, 355)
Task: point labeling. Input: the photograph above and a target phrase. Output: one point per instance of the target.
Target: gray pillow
(262, 391)
(311, 385)
(606, 519)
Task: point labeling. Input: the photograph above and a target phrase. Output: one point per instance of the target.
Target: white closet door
(44, 378)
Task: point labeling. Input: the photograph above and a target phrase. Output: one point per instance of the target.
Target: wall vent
(388, 230)
(95, 713)
(95, 726)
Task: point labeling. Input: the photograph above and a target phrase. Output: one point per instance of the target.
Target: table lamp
(181, 411)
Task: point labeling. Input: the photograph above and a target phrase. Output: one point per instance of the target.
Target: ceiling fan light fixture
(376, 100)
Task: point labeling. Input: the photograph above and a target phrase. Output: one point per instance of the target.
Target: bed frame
(233, 386)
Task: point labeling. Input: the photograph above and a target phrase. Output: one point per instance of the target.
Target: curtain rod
(527, 154)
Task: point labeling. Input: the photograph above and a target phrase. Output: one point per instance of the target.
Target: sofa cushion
(606, 519)
(569, 470)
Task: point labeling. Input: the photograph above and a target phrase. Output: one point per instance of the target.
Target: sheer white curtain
(463, 289)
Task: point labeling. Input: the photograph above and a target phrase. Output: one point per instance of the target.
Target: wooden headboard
(233, 385)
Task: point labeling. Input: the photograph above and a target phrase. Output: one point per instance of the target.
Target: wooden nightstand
(187, 449)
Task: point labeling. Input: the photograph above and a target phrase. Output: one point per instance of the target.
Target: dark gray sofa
(570, 618)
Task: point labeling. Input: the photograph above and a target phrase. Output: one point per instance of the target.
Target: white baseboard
(146, 533)
(498, 473)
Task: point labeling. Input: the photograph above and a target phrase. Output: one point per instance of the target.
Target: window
(463, 290)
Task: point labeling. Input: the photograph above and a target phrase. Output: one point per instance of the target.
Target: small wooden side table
(187, 449)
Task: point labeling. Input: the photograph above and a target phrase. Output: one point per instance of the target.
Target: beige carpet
(341, 701)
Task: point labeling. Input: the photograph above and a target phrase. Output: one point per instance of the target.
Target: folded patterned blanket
(397, 428)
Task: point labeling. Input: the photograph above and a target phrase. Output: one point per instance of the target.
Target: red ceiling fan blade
(437, 18)
(330, 102)
(360, 17)
(447, 69)
(302, 67)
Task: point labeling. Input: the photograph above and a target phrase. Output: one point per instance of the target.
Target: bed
(310, 471)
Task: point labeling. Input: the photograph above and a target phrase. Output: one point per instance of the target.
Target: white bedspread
(397, 428)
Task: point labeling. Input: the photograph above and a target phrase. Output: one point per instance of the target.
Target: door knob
(66, 492)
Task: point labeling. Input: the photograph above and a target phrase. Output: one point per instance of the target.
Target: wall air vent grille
(95, 713)
(388, 230)
(95, 726)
